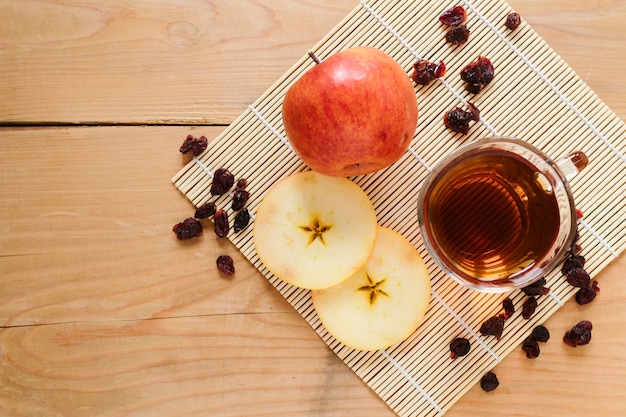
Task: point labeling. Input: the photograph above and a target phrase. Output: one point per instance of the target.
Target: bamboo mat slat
(535, 96)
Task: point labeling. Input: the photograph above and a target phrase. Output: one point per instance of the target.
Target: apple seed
(374, 288)
(316, 230)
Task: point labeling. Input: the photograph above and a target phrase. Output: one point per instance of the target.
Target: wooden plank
(86, 227)
(218, 365)
(88, 61)
(189, 62)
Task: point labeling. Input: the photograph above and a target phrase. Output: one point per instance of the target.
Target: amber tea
(496, 215)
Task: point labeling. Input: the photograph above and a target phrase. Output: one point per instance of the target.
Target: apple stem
(314, 57)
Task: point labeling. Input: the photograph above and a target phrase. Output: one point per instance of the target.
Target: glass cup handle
(572, 164)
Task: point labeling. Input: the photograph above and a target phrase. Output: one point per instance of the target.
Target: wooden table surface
(104, 313)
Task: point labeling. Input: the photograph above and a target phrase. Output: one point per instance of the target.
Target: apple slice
(314, 231)
(384, 302)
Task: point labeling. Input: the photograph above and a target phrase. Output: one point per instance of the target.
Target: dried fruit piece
(239, 199)
(489, 382)
(425, 71)
(187, 144)
(194, 145)
(440, 69)
(513, 20)
(458, 119)
(486, 68)
(206, 210)
(579, 214)
(588, 294)
(478, 74)
(536, 288)
(571, 262)
(199, 146)
(458, 35)
(475, 112)
(578, 277)
(459, 347)
(453, 16)
(531, 347)
(493, 327)
(241, 220)
(540, 334)
(223, 180)
(220, 223)
(508, 307)
(473, 88)
(242, 183)
(225, 265)
(579, 335)
(529, 307)
(187, 229)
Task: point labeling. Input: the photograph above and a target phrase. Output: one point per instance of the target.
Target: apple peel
(352, 114)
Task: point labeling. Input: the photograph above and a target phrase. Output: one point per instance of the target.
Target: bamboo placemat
(535, 96)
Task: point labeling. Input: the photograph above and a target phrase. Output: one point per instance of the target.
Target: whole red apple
(352, 114)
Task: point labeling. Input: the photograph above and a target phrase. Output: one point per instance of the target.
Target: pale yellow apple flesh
(384, 302)
(314, 231)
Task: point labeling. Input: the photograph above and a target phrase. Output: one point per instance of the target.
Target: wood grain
(104, 313)
(190, 62)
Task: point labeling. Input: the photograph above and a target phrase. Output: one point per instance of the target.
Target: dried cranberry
(513, 20)
(187, 144)
(459, 347)
(188, 229)
(239, 199)
(241, 220)
(571, 262)
(473, 88)
(536, 288)
(487, 71)
(531, 347)
(540, 334)
(489, 382)
(578, 278)
(206, 210)
(193, 145)
(509, 308)
(199, 145)
(579, 335)
(576, 249)
(471, 73)
(220, 223)
(588, 294)
(440, 69)
(477, 74)
(458, 120)
(425, 71)
(579, 214)
(453, 16)
(223, 180)
(474, 111)
(242, 183)
(493, 327)
(225, 265)
(529, 307)
(458, 35)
